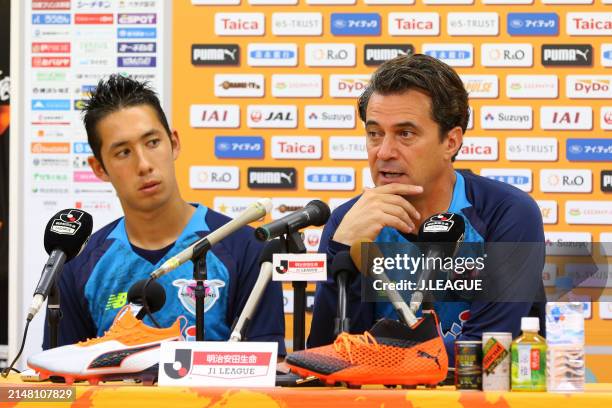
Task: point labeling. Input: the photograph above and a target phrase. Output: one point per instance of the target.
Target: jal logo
(329, 116)
(215, 54)
(376, 54)
(414, 24)
(581, 86)
(222, 116)
(589, 150)
(275, 116)
(239, 23)
(137, 18)
(589, 23)
(239, 147)
(533, 23)
(355, 24)
(567, 55)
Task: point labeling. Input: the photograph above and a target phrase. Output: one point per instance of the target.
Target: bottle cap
(531, 324)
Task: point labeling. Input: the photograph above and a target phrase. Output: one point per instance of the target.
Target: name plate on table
(217, 364)
(299, 267)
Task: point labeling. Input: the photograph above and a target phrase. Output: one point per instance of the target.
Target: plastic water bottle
(565, 341)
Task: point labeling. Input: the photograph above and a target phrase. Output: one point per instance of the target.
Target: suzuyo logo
(296, 147)
(533, 23)
(240, 147)
(355, 24)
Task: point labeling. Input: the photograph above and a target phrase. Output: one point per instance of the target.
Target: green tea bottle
(529, 358)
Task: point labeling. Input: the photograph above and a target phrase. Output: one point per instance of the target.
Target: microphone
(403, 311)
(155, 297)
(66, 234)
(315, 213)
(272, 247)
(343, 270)
(442, 229)
(254, 212)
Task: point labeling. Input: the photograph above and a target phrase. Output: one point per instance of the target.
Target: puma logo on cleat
(425, 354)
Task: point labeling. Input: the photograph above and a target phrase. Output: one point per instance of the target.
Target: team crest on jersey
(186, 293)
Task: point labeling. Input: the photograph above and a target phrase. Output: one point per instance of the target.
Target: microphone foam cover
(323, 213)
(343, 262)
(156, 295)
(271, 247)
(68, 231)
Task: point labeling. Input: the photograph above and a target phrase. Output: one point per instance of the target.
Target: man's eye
(154, 142)
(122, 153)
(406, 133)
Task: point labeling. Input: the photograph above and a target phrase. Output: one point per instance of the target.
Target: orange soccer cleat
(391, 353)
(128, 350)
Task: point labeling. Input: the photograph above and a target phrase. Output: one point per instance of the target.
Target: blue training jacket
(94, 285)
(493, 212)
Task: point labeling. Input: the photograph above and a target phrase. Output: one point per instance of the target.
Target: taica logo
(567, 55)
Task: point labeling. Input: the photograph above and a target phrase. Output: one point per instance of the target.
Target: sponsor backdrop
(68, 46)
(264, 96)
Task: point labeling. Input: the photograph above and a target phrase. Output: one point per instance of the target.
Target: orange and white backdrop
(264, 98)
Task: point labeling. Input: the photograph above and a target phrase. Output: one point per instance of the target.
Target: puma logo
(425, 354)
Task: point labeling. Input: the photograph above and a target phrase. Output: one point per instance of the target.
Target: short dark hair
(449, 99)
(111, 95)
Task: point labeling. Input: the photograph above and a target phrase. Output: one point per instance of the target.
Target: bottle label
(494, 354)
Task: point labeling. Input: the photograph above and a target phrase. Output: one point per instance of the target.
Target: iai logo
(330, 55)
(566, 181)
(272, 55)
(355, 24)
(329, 116)
(605, 120)
(519, 178)
(589, 150)
(566, 118)
(478, 148)
(472, 24)
(589, 86)
(239, 24)
(589, 23)
(481, 86)
(414, 24)
(272, 116)
(214, 116)
(606, 55)
(548, 209)
(506, 117)
(347, 86)
(455, 55)
(506, 55)
(533, 23)
(329, 178)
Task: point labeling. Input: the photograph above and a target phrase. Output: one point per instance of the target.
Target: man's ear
(453, 141)
(176, 144)
(97, 168)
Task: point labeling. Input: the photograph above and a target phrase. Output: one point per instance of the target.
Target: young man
(416, 111)
(135, 150)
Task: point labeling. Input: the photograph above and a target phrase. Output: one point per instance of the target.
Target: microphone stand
(341, 322)
(294, 244)
(54, 315)
(199, 275)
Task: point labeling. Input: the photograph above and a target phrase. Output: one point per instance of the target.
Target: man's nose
(388, 148)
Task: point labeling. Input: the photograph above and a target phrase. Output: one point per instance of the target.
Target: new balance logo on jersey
(116, 300)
